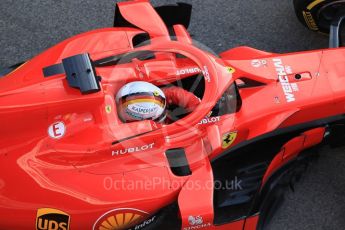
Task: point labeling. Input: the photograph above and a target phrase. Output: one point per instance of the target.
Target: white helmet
(141, 100)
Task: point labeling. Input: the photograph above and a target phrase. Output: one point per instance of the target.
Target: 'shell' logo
(52, 219)
(121, 219)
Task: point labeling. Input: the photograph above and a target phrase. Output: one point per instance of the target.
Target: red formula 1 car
(69, 162)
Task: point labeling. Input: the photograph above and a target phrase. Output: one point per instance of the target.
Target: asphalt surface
(29, 27)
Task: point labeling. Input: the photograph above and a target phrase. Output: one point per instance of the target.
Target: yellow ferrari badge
(108, 108)
(228, 139)
(231, 69)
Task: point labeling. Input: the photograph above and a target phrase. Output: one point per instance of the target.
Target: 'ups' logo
(52, 219)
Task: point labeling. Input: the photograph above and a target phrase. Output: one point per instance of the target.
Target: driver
(141, 100)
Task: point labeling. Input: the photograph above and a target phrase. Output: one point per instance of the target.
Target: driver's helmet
(141, 100)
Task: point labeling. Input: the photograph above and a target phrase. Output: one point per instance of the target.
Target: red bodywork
(86, 171)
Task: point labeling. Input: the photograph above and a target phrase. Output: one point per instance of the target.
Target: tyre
(317, 14)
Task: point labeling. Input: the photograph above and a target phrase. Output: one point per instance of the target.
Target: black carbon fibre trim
(53, 70)
(248, 162)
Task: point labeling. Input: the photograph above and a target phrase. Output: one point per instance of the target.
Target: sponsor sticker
(228, 139)
(188, 71)
(208, 120)
(206, 74)
(288, 88)
(132, 150)
(258, 63)
(139, 109)
(124, 218)
(57, 130)
(196, 222)
(195, 71)
(52, 219)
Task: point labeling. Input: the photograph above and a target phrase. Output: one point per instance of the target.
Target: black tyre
(317, 14)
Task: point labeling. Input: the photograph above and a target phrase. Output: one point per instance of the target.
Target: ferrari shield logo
(231, 69)
(228, 139)
(108, 108)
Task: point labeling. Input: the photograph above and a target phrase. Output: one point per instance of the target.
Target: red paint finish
(66, 151)
(251, 223)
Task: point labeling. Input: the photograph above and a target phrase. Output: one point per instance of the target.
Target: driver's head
(141, 100)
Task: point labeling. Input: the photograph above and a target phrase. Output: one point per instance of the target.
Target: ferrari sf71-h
(67, 161)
